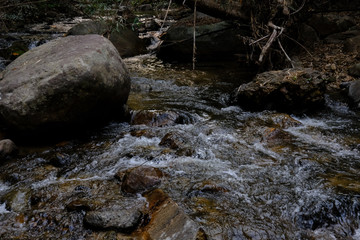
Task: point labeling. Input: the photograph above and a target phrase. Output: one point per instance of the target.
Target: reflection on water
(240, 175)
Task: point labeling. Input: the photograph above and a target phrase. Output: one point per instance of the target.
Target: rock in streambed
(69, 82)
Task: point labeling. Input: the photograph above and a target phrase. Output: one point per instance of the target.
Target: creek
(229, 176)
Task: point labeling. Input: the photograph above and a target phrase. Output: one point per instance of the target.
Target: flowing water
(238, 174)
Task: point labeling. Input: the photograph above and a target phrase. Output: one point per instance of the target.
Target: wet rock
(78, 205)
(326, 24)
(60, 160)
(354, 92)
(140, 179)
(215, 39)
(168, 220)
(283, 121)
(156, 118)
(7, 148)
(124, 39)
(274, 137)
(142, 133)
(173, 140)
(124, 217)
(290, 90)
(355, 70)
(352, 45)
(68, 82)
(206, 187)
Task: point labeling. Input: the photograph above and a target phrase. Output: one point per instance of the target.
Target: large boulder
(289, 90)
(124, 39)
(215, 39)
(68, 82)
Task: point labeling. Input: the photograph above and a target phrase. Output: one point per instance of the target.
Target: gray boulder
(289, 90)
(70, 81)
(215, 39)
(124, 39)
(124, 216)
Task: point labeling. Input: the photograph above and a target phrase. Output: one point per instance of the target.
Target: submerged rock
(68, 82)
(290, 90)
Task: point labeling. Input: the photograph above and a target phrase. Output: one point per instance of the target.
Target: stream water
(232, 176)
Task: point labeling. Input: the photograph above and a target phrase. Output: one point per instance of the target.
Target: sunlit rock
(69, 82)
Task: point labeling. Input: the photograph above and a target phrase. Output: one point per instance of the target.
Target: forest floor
(329, 58)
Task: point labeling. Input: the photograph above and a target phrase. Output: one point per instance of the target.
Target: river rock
(168, 220)
(124, 217)
(124, 39)
(156, 118)
(141, 179)
(282, 120)
(354, 92)
(215, 39)
(289, 90)
(72, 81)
(355, 70)
(7, 148)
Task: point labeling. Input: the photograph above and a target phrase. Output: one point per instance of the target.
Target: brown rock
(168, 220)
(141, 179)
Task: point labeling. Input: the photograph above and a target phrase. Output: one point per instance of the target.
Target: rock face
(124, 39)
(289, 90)
(70, 81)
(215, 39)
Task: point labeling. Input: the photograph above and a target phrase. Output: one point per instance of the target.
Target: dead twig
(287, 56)
(301, 7)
